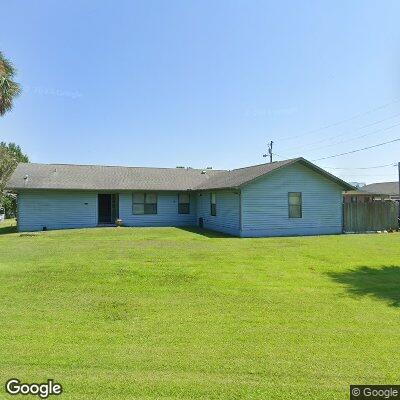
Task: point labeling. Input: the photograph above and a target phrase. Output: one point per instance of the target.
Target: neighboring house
(292, 197)
(362, 196)
(389, 189)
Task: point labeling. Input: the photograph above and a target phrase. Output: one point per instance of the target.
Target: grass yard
(151, 313)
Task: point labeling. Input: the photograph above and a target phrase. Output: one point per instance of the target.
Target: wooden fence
(374, 216)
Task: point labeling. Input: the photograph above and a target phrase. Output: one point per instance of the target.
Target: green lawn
(150, 313)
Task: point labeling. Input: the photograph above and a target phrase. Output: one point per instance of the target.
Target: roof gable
(243, 176)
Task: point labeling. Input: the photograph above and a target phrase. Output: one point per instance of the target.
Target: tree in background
(10, 156)
(9, 89)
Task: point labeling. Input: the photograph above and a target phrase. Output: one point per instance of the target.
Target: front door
(108, 208)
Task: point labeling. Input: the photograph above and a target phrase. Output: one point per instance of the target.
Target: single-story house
(291, 197)
(388, 189)
(362, 196)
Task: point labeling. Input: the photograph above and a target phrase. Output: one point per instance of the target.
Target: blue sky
(205, 83)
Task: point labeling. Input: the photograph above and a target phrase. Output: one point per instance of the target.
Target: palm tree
(9, 89)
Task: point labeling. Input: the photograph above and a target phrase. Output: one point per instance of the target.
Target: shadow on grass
(206, 232)
(382, 283)
(7, 229)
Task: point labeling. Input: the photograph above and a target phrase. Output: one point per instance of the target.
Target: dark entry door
(108, 208)
(104, 208)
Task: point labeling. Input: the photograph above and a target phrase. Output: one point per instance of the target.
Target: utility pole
(270, 144)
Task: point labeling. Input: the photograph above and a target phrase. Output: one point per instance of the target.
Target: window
(184, 203)
(213, 204)
(144, 203)
(295, 205)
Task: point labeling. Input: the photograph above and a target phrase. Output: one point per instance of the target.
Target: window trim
(184, 204)
(300, 205)
(155, 207)
(213, 206)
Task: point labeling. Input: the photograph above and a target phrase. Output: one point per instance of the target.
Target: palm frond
(6, 66)
(9, 89)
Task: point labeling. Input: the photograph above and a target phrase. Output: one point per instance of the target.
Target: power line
(347, 133)
(340, 122)
(282, 156)
(357, 150)
(357, 137)
(393, 164)
(363, 175)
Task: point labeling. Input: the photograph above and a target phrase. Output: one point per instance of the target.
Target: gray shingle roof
(240, 176)
(389, 188)
(97, 177)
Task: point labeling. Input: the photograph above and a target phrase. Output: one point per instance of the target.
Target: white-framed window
(184, 203)
(213, 204)
(144, 203)
(295, 205)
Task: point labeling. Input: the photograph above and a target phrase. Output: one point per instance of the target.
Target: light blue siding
(167, 211)
(259, 208)
(73, 209)
(56, 210)
(228, 214)
(265, 204)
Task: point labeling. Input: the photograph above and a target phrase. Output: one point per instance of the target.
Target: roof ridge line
(123, 166)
